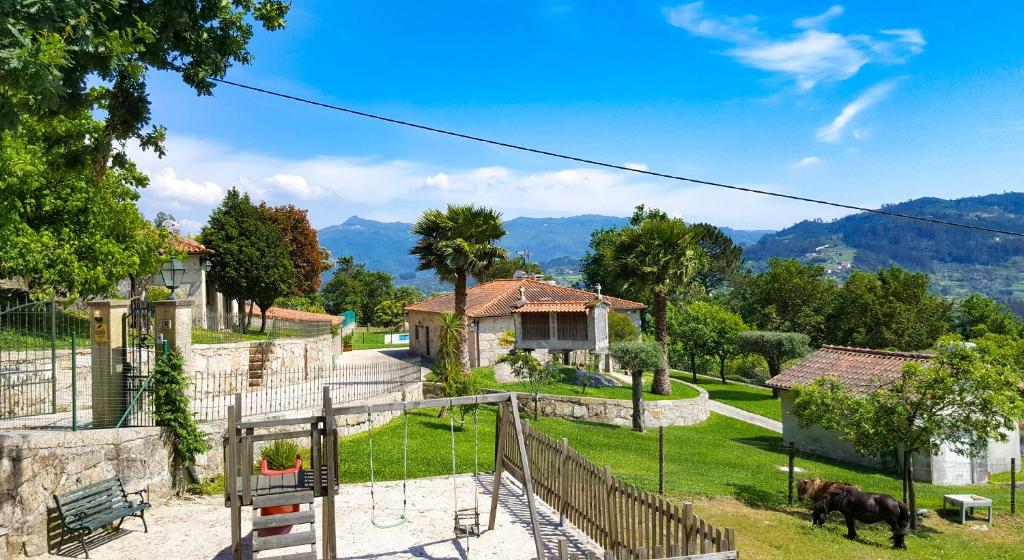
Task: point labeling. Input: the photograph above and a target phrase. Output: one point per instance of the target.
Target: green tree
(407, 295)
(891, 308)
(789, 296)
(354, 287)
(457, 244)
(962, 398)
(774, 347)
(68, 57)
(595, 267)
(688, 331)
(723, 257)
(660, 256)
(621, 327)
(250, 260)
(711, 330)
(506, 268)
(529, 369)
(389, 313)
(636, 357)
(977, 315)
(66, 230)
(162, 217)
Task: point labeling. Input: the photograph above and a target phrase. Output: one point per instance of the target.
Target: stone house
(210, 308)
(539, 315)
(861, 370)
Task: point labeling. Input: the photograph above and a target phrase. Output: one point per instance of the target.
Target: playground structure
(627, 521)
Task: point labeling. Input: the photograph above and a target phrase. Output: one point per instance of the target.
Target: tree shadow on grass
(737, 396)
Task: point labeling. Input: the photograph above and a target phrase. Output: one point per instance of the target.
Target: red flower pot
(277, 510)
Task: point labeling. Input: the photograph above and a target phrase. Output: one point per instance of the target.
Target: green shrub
(748, 366)
(621, 327)
(172, 409)
(157, 293)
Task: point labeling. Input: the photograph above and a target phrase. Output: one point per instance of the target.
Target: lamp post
(172, 273)
(206, 263)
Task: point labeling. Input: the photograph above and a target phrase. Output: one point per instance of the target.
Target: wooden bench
(94, 506)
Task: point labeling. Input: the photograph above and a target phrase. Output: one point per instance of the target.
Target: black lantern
(206, 263)
(172, 273)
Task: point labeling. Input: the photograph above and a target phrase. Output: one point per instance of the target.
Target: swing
(467, 521)
(402, 519)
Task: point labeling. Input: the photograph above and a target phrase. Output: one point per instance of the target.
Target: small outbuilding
(538, 315)
(860, 371)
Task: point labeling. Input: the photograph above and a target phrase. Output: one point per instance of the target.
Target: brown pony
(816, 488)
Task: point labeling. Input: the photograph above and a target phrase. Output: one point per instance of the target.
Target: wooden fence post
(563, 473)
(792, 458)
(1013, 486)
(661, 460)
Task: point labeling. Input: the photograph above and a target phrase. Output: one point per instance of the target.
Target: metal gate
(38, 341)
(139, 342)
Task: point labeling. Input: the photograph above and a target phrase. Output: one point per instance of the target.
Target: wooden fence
(625, 520)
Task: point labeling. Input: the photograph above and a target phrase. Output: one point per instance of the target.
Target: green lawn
(752, 399)
(210, 336)
(731, 470)
(567, 386)
(369, 338)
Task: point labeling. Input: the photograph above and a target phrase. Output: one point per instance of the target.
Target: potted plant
(278, 454)
(347, 342)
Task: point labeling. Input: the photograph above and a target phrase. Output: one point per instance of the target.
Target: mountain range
(959, 260)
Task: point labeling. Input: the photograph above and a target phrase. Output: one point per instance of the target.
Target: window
(535, 326)
(572, 326)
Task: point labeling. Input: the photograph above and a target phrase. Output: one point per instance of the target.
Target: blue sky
(866, 104)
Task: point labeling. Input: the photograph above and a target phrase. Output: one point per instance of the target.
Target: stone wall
(288, 354)
(36, 464)
(676, 412)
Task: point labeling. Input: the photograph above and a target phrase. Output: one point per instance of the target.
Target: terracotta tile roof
(190, 246)
(499, 297)
(860, 370)
(295, 315)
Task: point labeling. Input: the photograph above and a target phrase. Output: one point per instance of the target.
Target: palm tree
(660, 256)
(457, 244)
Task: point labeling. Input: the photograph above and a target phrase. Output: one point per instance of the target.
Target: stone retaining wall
(674, 412)
(36, 464)
(286, 354)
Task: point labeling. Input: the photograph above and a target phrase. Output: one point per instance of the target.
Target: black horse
(867, 508)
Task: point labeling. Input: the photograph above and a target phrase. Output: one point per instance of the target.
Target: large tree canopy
(789, 296)
(354, 287)
(66, 230)
(52, 52)
(309, 259)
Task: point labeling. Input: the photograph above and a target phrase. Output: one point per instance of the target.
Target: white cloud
(336, 187)
(165, 183)
(808, 57)
(818, 21)
(834, 130)
(808, 161)
(635, 165)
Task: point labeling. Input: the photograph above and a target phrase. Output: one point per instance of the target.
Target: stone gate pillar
(107, 346)
(174, 324)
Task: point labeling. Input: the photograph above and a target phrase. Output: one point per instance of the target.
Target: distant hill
(554, 242)
(960, 260)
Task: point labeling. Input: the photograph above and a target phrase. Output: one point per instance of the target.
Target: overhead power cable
(607, 165)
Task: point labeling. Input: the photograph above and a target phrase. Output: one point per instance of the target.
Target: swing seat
(391, 523)
(467, 522)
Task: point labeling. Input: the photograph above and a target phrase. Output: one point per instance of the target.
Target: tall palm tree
(459, 243)
(659, 256)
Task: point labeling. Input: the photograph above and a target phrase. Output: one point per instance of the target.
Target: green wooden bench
(94, 506)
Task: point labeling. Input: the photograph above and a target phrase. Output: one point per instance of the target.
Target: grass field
(567, 386)
(729, 468)
(370, 338)
(752, 399)
(209, 336)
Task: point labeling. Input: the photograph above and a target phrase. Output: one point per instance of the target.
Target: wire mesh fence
(224, 328)
(38, 350)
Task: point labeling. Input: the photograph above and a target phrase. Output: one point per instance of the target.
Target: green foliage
(354, 287)
(250, 260)
(389, 313)
(789, 296)
(705, 329)
(774, 347)
(157, 293)
(507, 338)
(458, 243)
(280, 454)
(53, 54)
(636, 356)
(506, 268)
(977, 315)
(70, 229)
(621, 327)
(891, 308)
(172, 409)
(314, 303)
(531, 371)
(723, 257)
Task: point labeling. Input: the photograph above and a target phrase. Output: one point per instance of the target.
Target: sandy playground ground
(186, 529)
